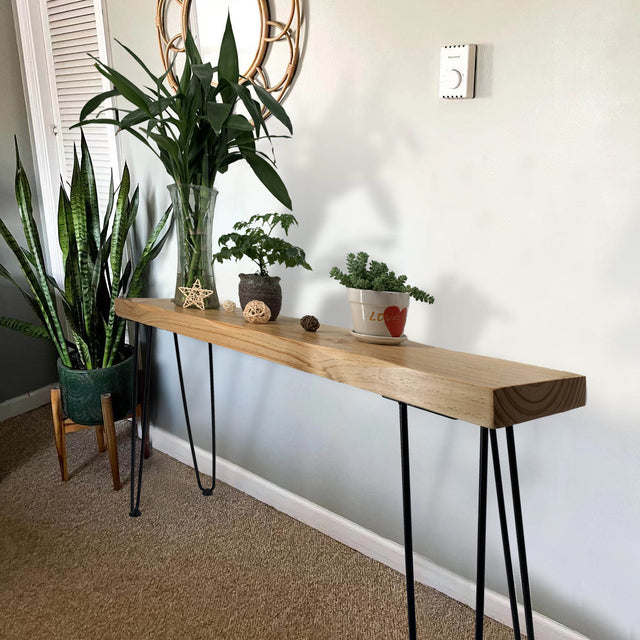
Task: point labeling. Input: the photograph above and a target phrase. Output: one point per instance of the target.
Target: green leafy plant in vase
(94, 358)
(197, 134)
(379, 298)
(254, 239)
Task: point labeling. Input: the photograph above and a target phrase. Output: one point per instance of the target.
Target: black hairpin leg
(135, 506)
(205, 491)
(482, 526)
(522, 554)
(406, 510)
(505, 533)
(482, 532)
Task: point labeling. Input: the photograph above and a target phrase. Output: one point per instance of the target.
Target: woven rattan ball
(229, 306)
(257, 312)
(309, 323)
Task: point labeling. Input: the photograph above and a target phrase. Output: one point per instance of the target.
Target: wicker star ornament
(194, 296)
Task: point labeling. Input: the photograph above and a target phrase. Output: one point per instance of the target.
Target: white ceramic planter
(378, 313)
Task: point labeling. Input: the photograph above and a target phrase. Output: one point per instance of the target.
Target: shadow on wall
(460, 314)
(30, 362)
(341, 157)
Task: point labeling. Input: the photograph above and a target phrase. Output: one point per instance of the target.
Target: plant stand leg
(58, 427)
(112, 444)
(100, 437)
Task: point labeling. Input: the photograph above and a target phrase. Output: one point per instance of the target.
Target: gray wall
(519, 210)
(27, 363)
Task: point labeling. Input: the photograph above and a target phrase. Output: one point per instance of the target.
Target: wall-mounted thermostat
(457, 71)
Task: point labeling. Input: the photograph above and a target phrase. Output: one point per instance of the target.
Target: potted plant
(196, 133)
(379, 299)
(253, 239)
(96, 360)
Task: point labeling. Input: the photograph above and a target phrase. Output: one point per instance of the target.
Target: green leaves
(375, 276)
(258, 244)
(268, 176)
(273, 106)
(228, 57)
(22, 326)
(197, 132)
(94, 276)
(217, 113)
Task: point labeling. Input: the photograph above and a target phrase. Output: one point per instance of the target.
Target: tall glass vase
(193, 207)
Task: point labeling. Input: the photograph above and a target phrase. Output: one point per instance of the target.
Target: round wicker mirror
(262, 38)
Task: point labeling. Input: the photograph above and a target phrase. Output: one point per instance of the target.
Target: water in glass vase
(193, 208)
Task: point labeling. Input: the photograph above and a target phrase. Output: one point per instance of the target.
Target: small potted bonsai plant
(96, 360)
(379, 298)
(253, 239)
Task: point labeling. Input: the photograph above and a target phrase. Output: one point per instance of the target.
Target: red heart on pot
(395, 319)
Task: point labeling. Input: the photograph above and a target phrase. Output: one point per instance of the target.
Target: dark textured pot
(253, 286)
(81, 390)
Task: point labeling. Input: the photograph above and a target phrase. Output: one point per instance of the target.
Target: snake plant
(95, 269)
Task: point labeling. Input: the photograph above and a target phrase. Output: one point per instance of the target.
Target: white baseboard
(26, 402)
(353, 535)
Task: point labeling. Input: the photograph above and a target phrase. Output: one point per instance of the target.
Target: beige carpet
(74, 565)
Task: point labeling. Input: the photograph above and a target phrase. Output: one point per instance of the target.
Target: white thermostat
(457, 71)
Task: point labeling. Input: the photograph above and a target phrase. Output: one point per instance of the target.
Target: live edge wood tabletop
(484, 391)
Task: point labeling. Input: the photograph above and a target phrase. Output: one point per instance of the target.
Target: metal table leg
(135, 506)
(505, 533)
(406, 510)
(522, 553)
(482, 525)
(482, 532)
(205, 491)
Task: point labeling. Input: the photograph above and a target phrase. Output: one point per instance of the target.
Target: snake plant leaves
(64, 212)
(36, 276)
(93, 267)
(30, 299)
(90, 195)
(25, 327)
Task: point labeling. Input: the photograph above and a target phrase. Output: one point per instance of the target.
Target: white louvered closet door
(75, 30)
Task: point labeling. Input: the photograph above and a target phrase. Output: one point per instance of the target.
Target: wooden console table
(484, 391)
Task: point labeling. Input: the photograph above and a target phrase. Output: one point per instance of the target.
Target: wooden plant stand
(62, 426)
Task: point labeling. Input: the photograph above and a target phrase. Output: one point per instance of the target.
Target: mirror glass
(208, 19)
(267, 34)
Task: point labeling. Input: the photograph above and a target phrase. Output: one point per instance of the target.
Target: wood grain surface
(477, 389)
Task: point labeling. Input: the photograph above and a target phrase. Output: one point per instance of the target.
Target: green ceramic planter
(81, 390)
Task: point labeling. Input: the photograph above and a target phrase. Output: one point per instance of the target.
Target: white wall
(518, 210)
